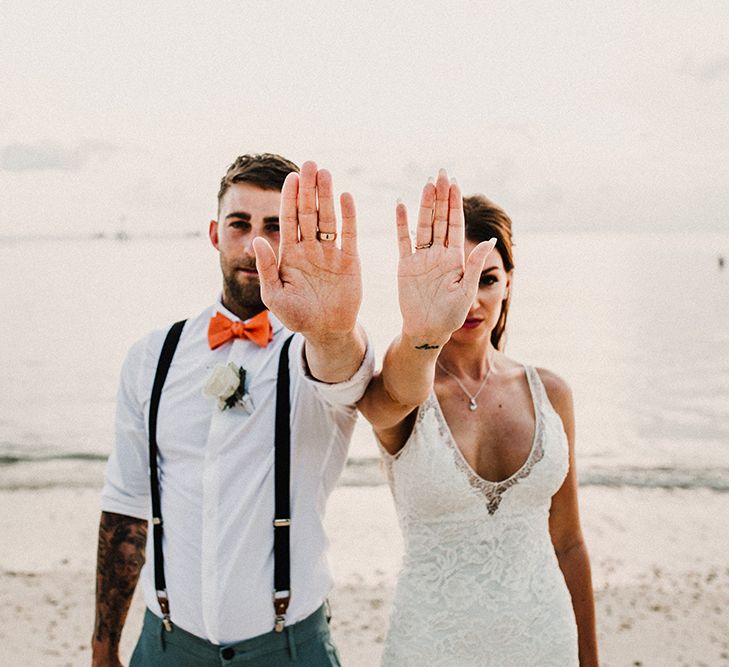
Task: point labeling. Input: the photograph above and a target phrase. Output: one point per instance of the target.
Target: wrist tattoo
(427, 346)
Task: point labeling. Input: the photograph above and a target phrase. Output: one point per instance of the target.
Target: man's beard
(244, 297)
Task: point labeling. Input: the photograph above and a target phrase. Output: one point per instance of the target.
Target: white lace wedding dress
(480, 583)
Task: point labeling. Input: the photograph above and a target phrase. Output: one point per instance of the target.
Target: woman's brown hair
(485, 220)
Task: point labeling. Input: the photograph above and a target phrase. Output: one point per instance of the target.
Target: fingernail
(398, 201)
(493, 240)
(431, 180)
(442, 173)
(454, 181)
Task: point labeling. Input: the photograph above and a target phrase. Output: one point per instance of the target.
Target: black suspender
(282, 470)
(282, 511)
(163, 365)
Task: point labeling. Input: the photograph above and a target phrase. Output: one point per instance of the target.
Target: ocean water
(637, 323)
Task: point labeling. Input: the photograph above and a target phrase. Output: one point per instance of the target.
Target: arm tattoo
(122, 541)
(427, 346)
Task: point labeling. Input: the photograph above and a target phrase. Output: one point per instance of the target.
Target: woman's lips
(471, 323)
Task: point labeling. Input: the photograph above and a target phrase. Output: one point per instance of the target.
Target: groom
(248, 431)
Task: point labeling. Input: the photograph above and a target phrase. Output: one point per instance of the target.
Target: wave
(120, 235)
(713, 478)
(368, 472)
(85, 469)
(10, 458)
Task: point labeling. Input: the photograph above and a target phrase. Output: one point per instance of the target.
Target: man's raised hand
(316, 285)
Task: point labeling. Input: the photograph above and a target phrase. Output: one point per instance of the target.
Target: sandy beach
(659, 559)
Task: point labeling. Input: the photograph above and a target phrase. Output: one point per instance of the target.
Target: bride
(479, 451)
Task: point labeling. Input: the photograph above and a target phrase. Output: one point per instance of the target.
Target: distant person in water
(479, 450)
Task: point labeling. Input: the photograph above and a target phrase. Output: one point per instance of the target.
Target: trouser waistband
(296, 633)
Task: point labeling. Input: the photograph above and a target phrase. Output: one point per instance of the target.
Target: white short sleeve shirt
(217, 480)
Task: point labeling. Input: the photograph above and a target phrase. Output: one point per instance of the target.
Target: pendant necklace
(472, 405)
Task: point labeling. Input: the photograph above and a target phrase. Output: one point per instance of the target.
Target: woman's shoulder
(554, 384)
(557, 388)
(558, 391)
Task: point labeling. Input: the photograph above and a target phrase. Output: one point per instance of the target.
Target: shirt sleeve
(344, 394)
(126, 481)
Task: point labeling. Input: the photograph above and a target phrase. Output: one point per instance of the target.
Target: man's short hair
(264, 170)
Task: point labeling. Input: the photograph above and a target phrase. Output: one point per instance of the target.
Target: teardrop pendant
(472, 404)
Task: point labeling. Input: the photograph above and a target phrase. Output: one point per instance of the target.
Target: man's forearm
(122, 541)
(336, 358)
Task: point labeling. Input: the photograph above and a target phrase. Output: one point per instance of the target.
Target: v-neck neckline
(469, 468)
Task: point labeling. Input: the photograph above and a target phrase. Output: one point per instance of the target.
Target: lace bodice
(480, 583)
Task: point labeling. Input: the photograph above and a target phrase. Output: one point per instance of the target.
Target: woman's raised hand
(436, 283)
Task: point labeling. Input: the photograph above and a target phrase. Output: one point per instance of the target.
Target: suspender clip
(281, 601)
(164, 605)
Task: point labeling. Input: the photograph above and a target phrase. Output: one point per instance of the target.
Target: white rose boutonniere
(226, 384)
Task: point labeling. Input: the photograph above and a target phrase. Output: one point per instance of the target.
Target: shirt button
(228, 653)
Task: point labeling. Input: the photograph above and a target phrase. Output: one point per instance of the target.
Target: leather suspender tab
(164, 605)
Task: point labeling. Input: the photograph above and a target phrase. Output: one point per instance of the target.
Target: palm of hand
(313, 287)
(433, 299)
(436, 282)
(321, 289)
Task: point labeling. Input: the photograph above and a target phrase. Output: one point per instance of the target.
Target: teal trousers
(304, 644)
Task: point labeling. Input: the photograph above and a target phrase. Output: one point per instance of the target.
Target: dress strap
(536, 387)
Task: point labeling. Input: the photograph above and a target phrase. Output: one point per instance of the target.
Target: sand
(660, 570)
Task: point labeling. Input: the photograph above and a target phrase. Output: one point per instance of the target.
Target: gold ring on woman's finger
(326, 236)
(423, 246)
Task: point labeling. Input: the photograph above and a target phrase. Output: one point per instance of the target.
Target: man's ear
(213, 233)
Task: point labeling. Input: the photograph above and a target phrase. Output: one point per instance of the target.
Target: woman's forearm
(408, 369)
(575, 565)
(406, 380)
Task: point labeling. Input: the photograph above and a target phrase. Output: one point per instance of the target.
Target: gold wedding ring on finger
(326, 236)
(423, 246)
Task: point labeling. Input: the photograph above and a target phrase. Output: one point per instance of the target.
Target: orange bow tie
(221, 330)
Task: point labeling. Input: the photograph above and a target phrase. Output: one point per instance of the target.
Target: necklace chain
(472, 405)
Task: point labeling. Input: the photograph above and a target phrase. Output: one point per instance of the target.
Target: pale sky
(575, 115)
